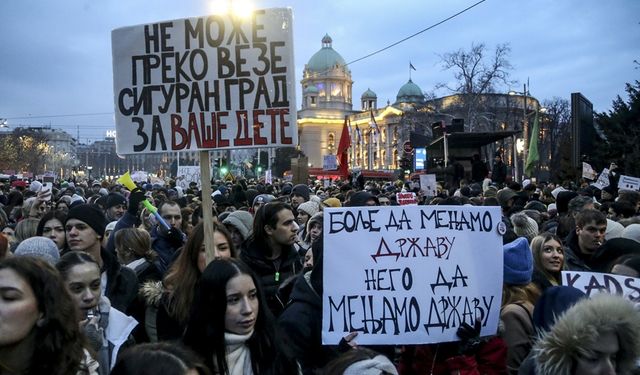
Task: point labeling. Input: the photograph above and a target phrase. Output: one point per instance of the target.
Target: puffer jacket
(579, 328)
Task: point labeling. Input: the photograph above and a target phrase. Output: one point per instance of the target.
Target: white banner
(428, 185)
(629, 183)
(593, 283)
(206, 83)
(410, 274)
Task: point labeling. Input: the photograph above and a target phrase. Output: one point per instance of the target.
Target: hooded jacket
(576, 331)
(271, 272)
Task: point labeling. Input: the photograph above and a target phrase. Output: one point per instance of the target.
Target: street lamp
(525, 123)
(89, 168)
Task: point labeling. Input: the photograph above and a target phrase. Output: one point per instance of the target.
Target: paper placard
(428, 185)
(405, 199)
(593, 283)
(629, 183)
(208, 83)
(410, 274)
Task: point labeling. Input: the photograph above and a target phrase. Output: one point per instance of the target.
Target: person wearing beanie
(239, 223)
(361, 199)
(85, 226)
(305, 211)
(632, 232)
(524, 226)
(260, 200)
(115, 206)
(41, 247)
(519, 295)
(615, 230)
(505, 198)
(332, 202)
(299, 194)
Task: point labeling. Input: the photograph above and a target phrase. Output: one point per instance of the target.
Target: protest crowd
(93, 282)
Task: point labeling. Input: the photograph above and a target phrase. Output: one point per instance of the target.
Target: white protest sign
(603, 179)
(629, 183)
(268, 177)
(207, 83)
(410, 274)
(139, 176)
(588, 172)
(404, 199)
(189, 173)
(329, 163)
(592, 283)
(428, 185)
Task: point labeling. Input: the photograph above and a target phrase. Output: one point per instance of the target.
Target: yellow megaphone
(126, 180)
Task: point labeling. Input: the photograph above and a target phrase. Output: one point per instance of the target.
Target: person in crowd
(499, 170)
(585, 240)
(553, 302)
(159, 358)
(524, 226)
(548, 260)
(41, 247)
(187, 227)
(239, 224)
(626, 265)
(166, 242)
(26, 228)
(260, 200)
(133, 248)
(598, 335)
(230, 326)
(63, 205)
(107, 329)
(360, 361)
(479, 169)
(519, 295)
(39, 333)
(171, 300)
(270, 250)
(361, 199)
(84, 227)
(299, 194)
(108, 230)
(10, 233)
(305, 211)
(52, 226)
(115, 206)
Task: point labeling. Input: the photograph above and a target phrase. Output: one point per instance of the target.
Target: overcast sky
(56, 55)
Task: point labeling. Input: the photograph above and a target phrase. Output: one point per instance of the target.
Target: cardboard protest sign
(428, 185)
(629, 183)
(410, 274)
(588, 172)
(593, 283)
(189, 173)
(404, 199)
(603, 179)
(208, 83)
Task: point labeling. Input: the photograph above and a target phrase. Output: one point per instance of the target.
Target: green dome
(410, 93)
(369, 95)
(325, 59)
(311, 89)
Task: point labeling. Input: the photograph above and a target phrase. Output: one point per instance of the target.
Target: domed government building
(383, 137)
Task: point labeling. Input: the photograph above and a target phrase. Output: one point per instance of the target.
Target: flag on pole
(411, 66)
(343, 150)
(533, 156)
(373, 123)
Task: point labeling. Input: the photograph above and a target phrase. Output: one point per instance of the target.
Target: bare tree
(554, 127)
(477, 72)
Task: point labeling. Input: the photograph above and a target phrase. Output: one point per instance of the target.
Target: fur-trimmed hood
(152, 292)
(576, 331)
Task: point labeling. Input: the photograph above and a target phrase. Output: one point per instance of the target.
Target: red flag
(343, 150)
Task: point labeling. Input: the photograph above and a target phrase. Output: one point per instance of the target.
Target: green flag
(533, 156)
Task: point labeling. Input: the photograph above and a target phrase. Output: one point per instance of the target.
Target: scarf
(238, 354)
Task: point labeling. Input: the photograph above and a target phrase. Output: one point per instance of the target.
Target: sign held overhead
(214, 82)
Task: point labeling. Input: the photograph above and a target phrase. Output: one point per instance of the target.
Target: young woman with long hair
(173, 297)
(548, 260)
(39, 333)
(230, 325)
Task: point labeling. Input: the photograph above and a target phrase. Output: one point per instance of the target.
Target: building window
(331, 142)
(313, 100)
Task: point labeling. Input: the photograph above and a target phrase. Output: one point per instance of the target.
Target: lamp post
(525, 127)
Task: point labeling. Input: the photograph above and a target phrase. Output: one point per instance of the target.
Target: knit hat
(91, 215)
(536, 205)
(104, 192)
(242, 221)
(76, 200)
(552, 207)
(631, 232)
(332, 202)
(111, 226)
(552, 303)
(263, 198)
(557, 191)
(524, 226)
(490, 192)
(562, 201)
(614, 230)
(310, 208)
(518, 262)
(301, 190)
(373, 366)
(41, 247)
(504, 195)
(114, 199)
